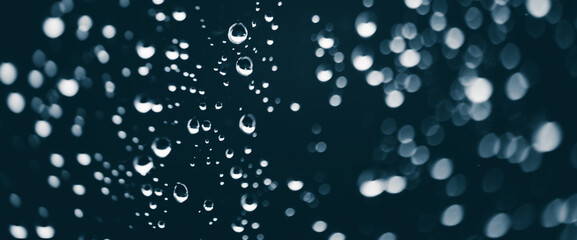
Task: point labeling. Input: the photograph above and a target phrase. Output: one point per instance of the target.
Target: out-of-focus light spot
(395, 99)
(335, 100)
(8, 73)
(326, 42)
(479, 90)
(516, 86)
(554, 213)
(498, 225)
(43, 128)
(409, 58)
(413, 4)
(68, 87)
(35, 79)
(53, 27)
(319, 226)
(388, 236)
(315, 19)
(295, 107)
(295, 185)
(452, 215)
(45, 232)
(108, 31)
(56, 160)
(442, 169)
(18, 232)
(538, 8)
(324, 73)
(362, 58)
(78, 189)
(510, 56)
(84, 159)
(396, 184)
(337, 236)
(374, 78)
(84, 23)
(16, 102)
(454, 38)
(372, 188)
(489, 146)
(365, 24)
(474, 18)
(438, 21)
(397, 45)
(547, 137)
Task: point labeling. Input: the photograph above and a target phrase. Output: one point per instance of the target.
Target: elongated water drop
(237, 33)
(180, 192)
(247, 123)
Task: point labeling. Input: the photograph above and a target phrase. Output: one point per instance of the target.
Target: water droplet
(249, 202)
(161, 146)
(208, 205)
(144, 50)
(244, 66)
(237, 33)
(193, 126)
(362, 58)
(180, 192)
(143, 164)
(247, 123)
(365, 24)
(146, 190)
(206, 125)
(235, 172)
(324, 73)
